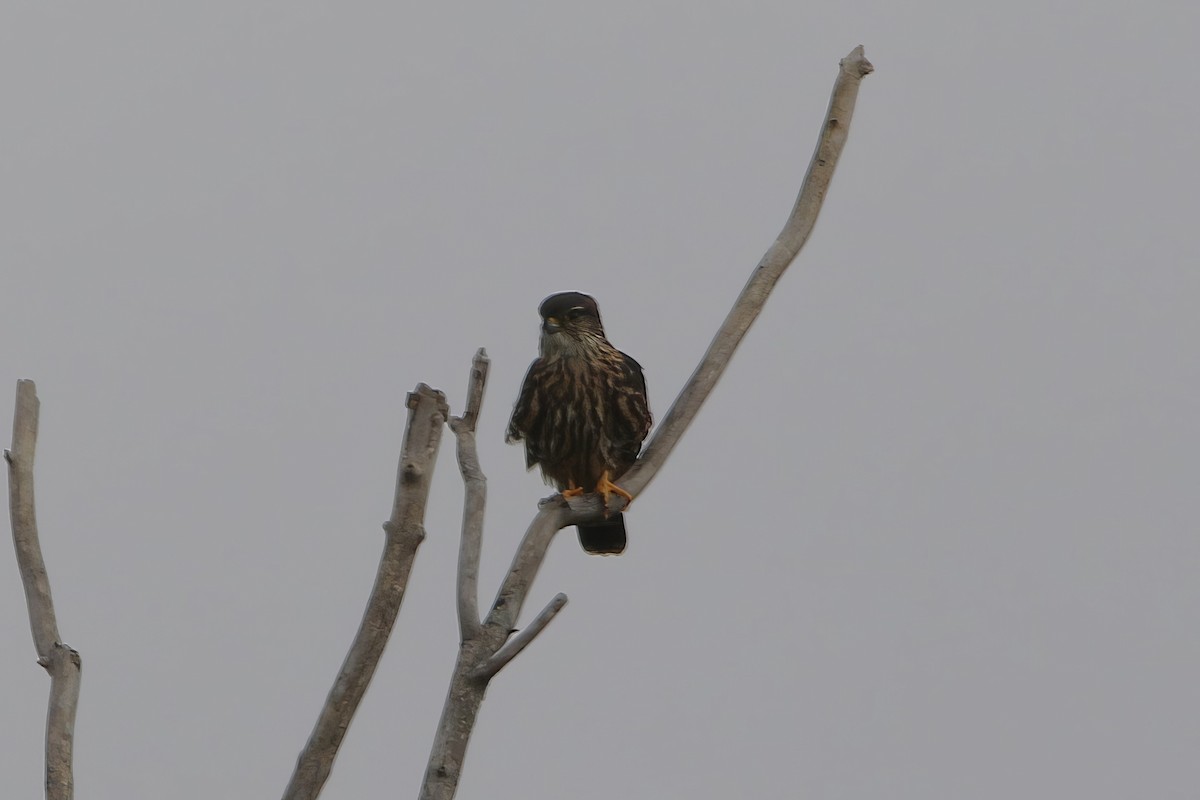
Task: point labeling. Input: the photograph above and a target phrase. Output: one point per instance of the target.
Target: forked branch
(484, 652)
(522, 639)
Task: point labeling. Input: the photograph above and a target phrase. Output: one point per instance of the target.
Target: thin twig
(63, 663)
(427, 412)
(523, 638)
(475, 484)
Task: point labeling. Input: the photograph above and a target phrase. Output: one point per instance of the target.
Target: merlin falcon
(582, 412)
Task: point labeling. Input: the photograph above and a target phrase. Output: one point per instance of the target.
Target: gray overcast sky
(934, 536)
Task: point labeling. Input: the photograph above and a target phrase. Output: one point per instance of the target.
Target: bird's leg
(605, 487)
(572, 490)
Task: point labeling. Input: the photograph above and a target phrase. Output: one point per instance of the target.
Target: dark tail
(605, 539)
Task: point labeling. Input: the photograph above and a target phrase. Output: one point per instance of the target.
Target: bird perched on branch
(582, 412)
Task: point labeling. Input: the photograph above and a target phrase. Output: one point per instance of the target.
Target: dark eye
(576, 312)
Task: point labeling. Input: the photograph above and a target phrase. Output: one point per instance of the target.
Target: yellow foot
(605, 487)
(572, 490)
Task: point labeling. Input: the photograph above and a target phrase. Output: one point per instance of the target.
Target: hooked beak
(551, 325)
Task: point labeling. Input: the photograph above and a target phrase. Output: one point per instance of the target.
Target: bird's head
(570, 323)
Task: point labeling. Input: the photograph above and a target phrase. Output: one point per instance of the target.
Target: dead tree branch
(63, 663)
(523, 638)
(483, 652)
(477, 664)
(836, 128)
(486, 644)
(475, 484)
(427, 413)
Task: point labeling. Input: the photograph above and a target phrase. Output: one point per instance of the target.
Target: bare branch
(427, 412)
(475, 484)
(522, 640)
(552, 517)
(63, 663)
(482, 656)
(853, 68)
(66, 673)
(467, 688)
(24, 519)
(475, 389)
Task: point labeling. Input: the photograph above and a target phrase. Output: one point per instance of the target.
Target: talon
(572, 490)
(605, 487)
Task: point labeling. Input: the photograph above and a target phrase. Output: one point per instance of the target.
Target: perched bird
(582, 412)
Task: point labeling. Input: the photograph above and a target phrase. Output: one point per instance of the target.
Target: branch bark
(427, 413)
(475, 483)
(63, 663)
(523, 638)
(469, 681)
(483, 652)
(836, 128)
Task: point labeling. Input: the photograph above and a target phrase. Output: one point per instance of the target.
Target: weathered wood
(62, 663)
(405, 530)
(834, 131)
(475, 501)
(483, 652)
